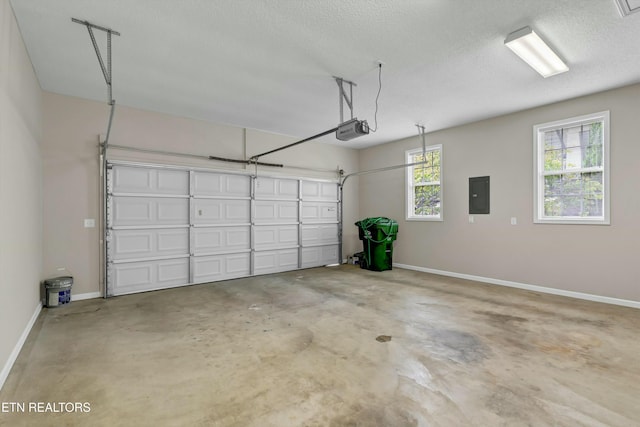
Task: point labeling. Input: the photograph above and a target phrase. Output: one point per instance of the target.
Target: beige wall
(71, 180)
(600, 260)
(20, 188)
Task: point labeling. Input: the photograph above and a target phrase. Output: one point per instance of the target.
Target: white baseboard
(525, 286)
(16, 350)
(88, 295)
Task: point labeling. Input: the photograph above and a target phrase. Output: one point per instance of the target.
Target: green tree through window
(424, 188)
(572, 180)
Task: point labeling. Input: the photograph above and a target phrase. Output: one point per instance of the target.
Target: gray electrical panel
(479, 195)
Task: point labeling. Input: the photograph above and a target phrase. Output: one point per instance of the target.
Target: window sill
(426, 218)
(577, 221)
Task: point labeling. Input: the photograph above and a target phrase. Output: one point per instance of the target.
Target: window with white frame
(571, 181)
(424, 189)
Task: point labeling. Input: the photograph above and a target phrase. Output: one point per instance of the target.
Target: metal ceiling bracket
(343, 97)
(421, 133)
(106, 70)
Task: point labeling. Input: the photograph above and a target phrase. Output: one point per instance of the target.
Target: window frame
(409, 185)
(539, 173)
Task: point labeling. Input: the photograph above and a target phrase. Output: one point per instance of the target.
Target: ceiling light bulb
(534, 51)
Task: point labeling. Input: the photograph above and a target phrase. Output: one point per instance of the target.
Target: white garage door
(276, 225)
(170, 227)
(319, 223)
(220, 226)
(148, 229)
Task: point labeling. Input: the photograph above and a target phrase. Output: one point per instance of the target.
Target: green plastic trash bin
(377, 235)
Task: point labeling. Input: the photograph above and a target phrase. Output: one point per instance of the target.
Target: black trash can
(377, 235)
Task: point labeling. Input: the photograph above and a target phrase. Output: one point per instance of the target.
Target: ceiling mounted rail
(345, 131)
(255, 158)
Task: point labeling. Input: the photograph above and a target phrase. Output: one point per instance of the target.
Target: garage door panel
(319, 255)
(149, 181)
(208, 184)
(172, 182)
(220, 267)
(133, 243)
(173, 212)
(312, 190)
(148, 243)
(276, 188)
(133, 275)
(176, 270)
(207, 269)
(271, 211)
(319, 212)
(149, 211)
(238, 185)
(127, 211)
(216, 184)
(173, 241)
(220, 239)
(238, 212)
(275, 236)
(319, 234)
(216, 211)
(132, 180)
(276, 261)
(149, 275)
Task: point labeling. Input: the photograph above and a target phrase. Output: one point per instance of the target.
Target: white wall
(20, 190)
(600, 260)
(71, 180)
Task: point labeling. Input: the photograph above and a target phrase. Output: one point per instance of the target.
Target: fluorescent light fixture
(534, 51)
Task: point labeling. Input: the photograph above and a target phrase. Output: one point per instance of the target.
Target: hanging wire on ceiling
(375, 115)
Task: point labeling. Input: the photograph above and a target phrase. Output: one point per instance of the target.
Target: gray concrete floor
(305, 349)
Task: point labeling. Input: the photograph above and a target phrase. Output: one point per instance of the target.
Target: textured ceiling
(268, 64)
